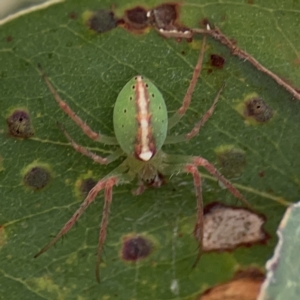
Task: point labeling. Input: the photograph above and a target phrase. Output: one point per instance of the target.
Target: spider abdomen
(140, 119)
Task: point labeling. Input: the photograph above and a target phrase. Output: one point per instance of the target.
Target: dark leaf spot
(136, 18)
(37, 177)
(164, 16)
(102, 21)
(73, 15)
(86, 185)
(217, 61)
(258, 109)
(19, 124)
(135, 248)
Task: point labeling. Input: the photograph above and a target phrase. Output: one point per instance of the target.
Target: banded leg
(104, 223)
(198, 230)
(178, 164)
(199, 161)
(185, 137)
(187, 98)
(66, 108)
(102, 184)
(95, 157)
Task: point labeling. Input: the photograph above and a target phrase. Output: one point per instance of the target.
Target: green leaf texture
(89, 70)
(283, 268)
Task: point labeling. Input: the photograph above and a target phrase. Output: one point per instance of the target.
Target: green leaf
(89, 70)
(283, 267)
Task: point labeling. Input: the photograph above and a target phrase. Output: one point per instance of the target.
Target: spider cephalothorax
(141, 128)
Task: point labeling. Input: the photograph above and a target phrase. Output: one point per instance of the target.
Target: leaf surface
(89, 70)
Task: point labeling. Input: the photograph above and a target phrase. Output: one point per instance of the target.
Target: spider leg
(104, 223)
(199, 161)
(139, 190)
(198, 230)
(198, 126)
(81, 149)
(66, 108)
(174, 164)
(187, 98)
(87, 201)
(178, 163)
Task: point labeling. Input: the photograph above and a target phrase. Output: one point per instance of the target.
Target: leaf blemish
(232, 160)
(258, 110)
(73, 15)
(86, 185)
(136, 247)
(19, 124)
(165, 16)
(36, 176)
(217, 61)
(229, 227)
(136, 19)
(100, 21)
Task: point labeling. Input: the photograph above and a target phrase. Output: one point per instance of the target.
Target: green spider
(141, 124)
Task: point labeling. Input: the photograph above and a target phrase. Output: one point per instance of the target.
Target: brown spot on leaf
(19, 124)
(256, 108)
(164, 16)
(232, 161)
(226, 228)
(261, 174)
(37, 177)
(217, 61)
(73, 15)
(101, 21)
(136, 247)
(136, 18)
(86, 185)
(244, 286)
(9, 38)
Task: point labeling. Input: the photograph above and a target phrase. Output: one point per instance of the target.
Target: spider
(141, 125)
